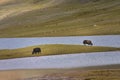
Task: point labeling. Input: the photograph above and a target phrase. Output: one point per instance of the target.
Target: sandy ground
(4, 1)
(37, 75)
(63, 74)
(17, 74)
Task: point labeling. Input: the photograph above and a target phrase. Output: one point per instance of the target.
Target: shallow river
(62, 61)
(11, 43)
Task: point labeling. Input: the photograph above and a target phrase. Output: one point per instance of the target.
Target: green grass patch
(53, 49)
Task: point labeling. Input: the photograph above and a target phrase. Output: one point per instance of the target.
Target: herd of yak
(38, 50)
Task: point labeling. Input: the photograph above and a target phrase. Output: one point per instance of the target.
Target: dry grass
(65, 19)
(53, 49)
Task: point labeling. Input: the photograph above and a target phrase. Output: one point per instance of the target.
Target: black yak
(36, 50)
(89, 42)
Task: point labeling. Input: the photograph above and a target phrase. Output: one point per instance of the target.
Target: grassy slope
(98, 73)
(71, 17)
(53, 49)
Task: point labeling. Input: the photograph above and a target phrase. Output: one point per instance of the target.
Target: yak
(36, 50)
(89, 42)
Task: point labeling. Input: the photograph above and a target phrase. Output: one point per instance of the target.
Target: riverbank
(52, 49)
(109, 72)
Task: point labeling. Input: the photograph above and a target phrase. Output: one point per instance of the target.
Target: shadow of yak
(36, 50)
(89, 42)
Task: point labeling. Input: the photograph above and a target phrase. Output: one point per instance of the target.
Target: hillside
(37, 18)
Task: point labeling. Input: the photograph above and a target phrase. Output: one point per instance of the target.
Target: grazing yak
(89, 42)
(36, 50)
